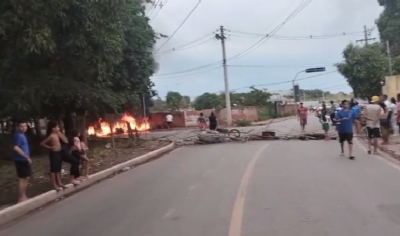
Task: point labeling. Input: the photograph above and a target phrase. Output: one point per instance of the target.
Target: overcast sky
(278, 58)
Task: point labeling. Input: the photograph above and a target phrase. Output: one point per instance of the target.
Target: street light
(309, 70)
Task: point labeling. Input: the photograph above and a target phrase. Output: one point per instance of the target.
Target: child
(78, 148)
(53, 143)
(325, 126)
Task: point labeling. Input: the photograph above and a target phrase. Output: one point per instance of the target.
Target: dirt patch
(102, 157)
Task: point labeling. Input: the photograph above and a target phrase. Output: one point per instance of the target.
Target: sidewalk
(393, 148)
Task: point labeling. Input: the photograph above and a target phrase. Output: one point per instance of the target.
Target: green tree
(185, 102)
(207, 101)
(364, 68)
(174, 100)
(389, 24)
(63, 57)
(255, 97)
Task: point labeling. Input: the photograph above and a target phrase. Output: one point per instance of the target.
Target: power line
(207, 36)
(159, 9)
(184, 75)
(286, 81)
(303, 37)
(177, 29)
(300, 7)
(274, 66)
(367, 33)
(250, 49)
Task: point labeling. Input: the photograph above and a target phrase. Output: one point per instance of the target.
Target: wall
(158, 120)
(192, 116)
(239, 113)
(287, 109)
(392, 86)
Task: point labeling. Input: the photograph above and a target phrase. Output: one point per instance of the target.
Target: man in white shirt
(372, 114)
(169, 119)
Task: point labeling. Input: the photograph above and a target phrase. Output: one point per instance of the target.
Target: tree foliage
(364, 68)
(255, 97)
(174, 100)
(63, 57)
(207, 101)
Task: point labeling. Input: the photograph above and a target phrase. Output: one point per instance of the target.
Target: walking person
(357, 114)
(332, 112)
(169, 119)
(213, 121)
(325, 126)
(302, 113)
(372, 115)
(22, 160)
(202, 122)
(345, 128)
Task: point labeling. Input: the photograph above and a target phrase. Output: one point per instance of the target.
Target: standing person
(79, 152)
(325, 126)
(392, 116)
(302, 113)
(398, 111)
(384, 122)
(372, 115)
(202, 121)
(357, 117)
(213, 121)
(332, 112)
(22, 160)
(169, 119)
(53, 143)
(324, 111)
(345, 128)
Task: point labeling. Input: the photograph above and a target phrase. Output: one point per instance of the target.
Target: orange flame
(104, 128)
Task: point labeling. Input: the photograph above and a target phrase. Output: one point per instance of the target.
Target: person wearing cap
(372, 114)
(302, 113)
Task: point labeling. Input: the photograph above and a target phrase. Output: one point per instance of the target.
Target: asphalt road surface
(265, 188)
(284, 127)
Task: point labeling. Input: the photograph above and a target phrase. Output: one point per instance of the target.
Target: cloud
(283, 58)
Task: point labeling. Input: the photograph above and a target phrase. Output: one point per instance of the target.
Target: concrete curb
(13, 212)
(384, 155)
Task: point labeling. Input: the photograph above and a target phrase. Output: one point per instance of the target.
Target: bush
(242, 123)
(263, 114)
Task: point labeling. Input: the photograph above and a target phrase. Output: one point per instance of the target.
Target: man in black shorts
(372, 115)
(345, 119)
(22, 160)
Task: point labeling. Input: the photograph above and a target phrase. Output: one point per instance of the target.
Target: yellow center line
(235, 228)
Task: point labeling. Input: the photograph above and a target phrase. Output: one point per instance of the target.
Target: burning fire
(104, 129)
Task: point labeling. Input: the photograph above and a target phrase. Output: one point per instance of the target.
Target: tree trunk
(38, 129)
(69, 123)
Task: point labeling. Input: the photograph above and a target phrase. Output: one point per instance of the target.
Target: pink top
(302, 112)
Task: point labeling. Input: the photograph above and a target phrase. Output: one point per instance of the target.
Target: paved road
(283, 127)
(276, 188)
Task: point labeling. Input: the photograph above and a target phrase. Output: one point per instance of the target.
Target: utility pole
(367, 33)
(222, 37)
(389, 58)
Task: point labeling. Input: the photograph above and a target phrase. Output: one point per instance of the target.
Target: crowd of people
(378, 118)
(71, 150)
